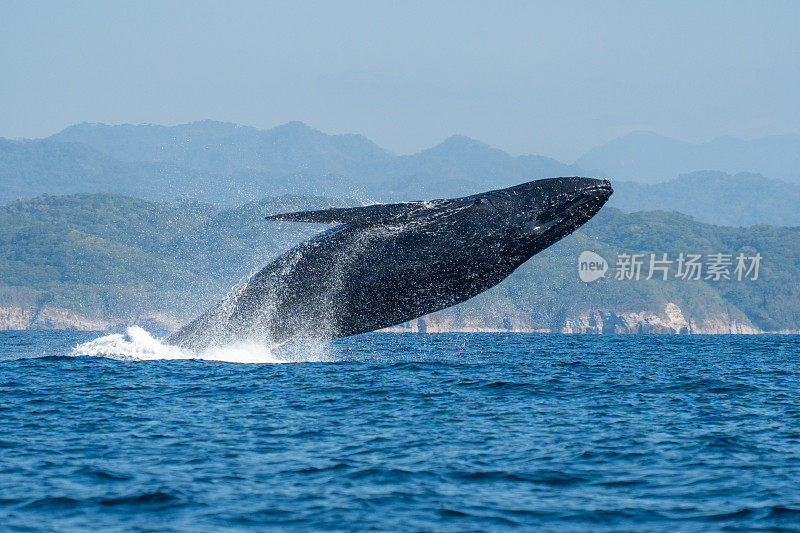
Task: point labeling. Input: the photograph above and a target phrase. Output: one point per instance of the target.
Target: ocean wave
(137, 344)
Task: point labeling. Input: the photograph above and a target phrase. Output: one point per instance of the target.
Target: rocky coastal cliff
(15, 317)
(670, 321)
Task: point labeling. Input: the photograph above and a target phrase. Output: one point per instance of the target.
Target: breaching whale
(385, 264)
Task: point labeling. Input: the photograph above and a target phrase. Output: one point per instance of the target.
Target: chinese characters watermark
(662, 266)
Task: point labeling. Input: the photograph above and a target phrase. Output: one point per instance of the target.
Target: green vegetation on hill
(114, 257)
(117, 258)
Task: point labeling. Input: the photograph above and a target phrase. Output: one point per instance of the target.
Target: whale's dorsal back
(369, 214)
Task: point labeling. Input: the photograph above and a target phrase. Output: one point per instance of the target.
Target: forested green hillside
(113, 257)
(119, 260)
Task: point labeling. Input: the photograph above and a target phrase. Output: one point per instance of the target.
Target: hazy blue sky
(552, 79)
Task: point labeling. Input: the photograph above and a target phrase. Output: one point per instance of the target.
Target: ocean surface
(401, 432)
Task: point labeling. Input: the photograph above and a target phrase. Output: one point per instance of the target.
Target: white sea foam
(136, 344)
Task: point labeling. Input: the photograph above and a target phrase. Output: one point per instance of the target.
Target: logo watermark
(591, 266)
(685, 266)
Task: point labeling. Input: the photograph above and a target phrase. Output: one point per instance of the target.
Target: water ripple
(404, 433)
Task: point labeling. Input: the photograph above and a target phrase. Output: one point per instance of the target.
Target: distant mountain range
(220, 148)
(647, 157)
(35, 167)
(228, 165)
(32, 168)
(715, 197)
(457, 165)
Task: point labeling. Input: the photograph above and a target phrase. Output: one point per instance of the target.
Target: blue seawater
(406, 432)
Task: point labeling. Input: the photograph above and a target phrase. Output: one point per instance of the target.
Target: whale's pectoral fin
(370, 214)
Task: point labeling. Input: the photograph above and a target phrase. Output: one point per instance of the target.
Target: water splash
(136, 344)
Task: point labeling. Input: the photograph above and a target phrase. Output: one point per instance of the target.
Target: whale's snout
(555, 207)
(559, 188)
(599, 189)
(592, 195)
(601, 185)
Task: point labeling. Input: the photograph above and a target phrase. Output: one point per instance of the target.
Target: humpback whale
(385, 264)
